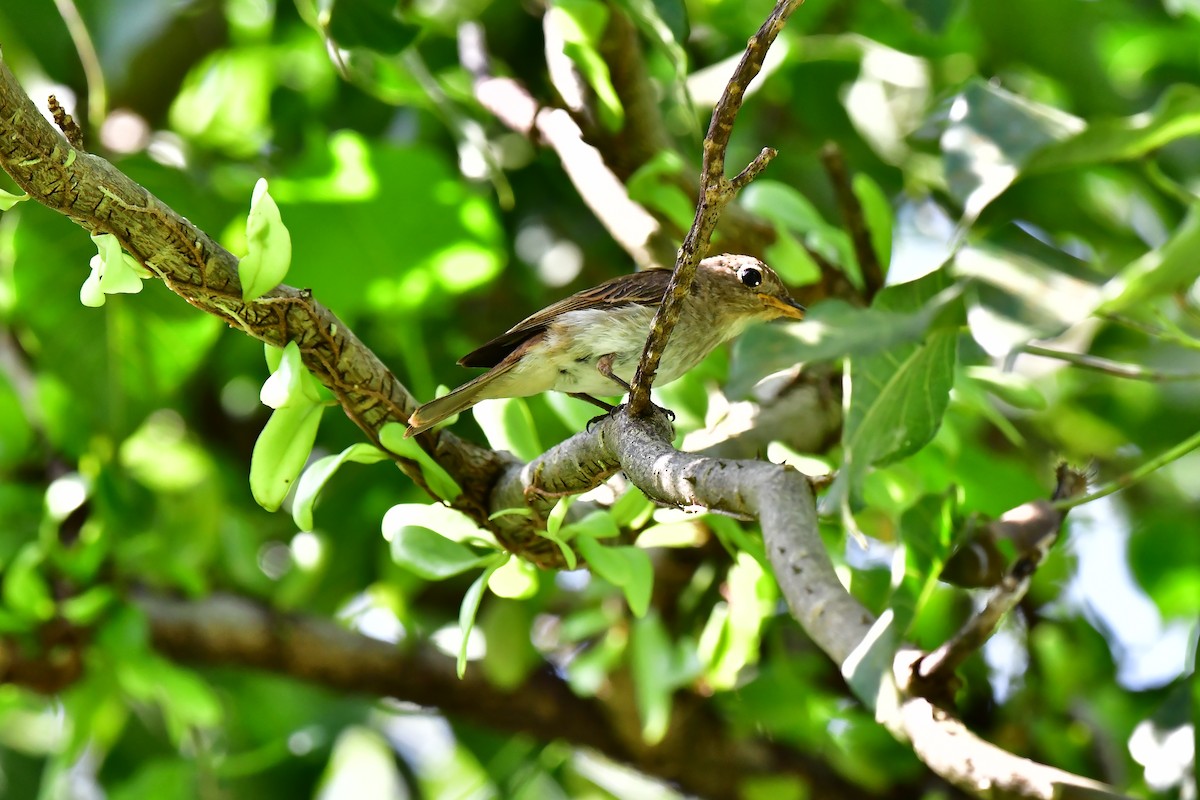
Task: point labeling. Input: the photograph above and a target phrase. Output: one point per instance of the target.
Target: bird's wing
(642, 288)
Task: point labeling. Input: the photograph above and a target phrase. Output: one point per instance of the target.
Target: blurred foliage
(1029, 170)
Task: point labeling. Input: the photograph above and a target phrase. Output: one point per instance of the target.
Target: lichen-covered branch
(100, 199)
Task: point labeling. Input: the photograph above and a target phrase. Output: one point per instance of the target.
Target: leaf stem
(1132, 477)
(1115, 368)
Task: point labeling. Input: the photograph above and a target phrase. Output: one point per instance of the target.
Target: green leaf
(391, 436)
(652, 662)
(928, 531)
(8, 199)
(1164, 270)
(516, 579)
(470, 607)
(290, 382)
(831, 329)
(281, 451)
(86, 608)
(270, 246)
(877, 214)
(792, 212)
(597, 524)
(431, 556)
(732, 637)
(372, 24)
(24, 589)
(16, 434)
(655, 186)
(581, 24)
(627, 568)
(897, 396)
(989, 135)
(318, 474)
(1175, 116)
(454, 525)
(113, 272)
(1013, 388)
(511, 656)
(1021, 290)
(508, 425)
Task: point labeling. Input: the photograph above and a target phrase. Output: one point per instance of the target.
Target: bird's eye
(750, 276)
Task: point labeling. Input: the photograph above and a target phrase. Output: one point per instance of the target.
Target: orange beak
(783, 307)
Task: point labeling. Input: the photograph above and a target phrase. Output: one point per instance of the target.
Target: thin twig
(1170, 333)
(1108, 367)
(1038, 524)
(1128, 479)
(97, 102)
(715, 192)
(638, 233)
(856, 221)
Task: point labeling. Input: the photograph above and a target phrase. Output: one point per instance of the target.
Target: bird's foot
(670, 415)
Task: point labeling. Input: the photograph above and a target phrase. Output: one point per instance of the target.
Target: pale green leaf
(318, 474)
(431, 556)
(453, 525)
(652, 662)
(627, 568)
(516, 579)
(269, 244)
(8, 199)
(290, 383)
(437, 479)
(281, 451)
(1160, 272)
(470, 607)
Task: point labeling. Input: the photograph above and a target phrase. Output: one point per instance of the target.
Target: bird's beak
(785, 308)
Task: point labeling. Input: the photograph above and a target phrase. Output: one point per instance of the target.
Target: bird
(590, 343)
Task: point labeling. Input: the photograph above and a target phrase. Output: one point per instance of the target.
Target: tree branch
(715, 192)
(100, 199)
(852, 215)
(698, 752)
(781, 499)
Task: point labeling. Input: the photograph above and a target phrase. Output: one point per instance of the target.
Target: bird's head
(745, 287)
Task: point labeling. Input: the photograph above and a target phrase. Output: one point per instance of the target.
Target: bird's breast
(578, 339)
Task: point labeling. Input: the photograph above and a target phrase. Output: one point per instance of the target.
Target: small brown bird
(590, 343)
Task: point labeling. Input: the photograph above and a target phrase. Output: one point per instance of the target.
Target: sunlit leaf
(1163, 270)
(628, 568)
(652, 662)
(8, 199)
(431, 556)
(281, 451)
(580, 24)
(318, 474)
(898, 395)
(439, 481)
(470, 607)
(1175, 115)
(832, 329)
(270, 246)
(989, 135)
(508, 425)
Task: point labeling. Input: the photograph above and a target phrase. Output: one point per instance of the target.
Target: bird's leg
(604, 367)
(592, 400)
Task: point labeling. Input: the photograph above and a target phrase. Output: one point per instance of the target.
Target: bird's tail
(462, 398)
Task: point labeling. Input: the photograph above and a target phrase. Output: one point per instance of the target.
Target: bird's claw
(615, 409)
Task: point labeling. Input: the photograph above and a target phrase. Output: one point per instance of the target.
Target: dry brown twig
(716, 191)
